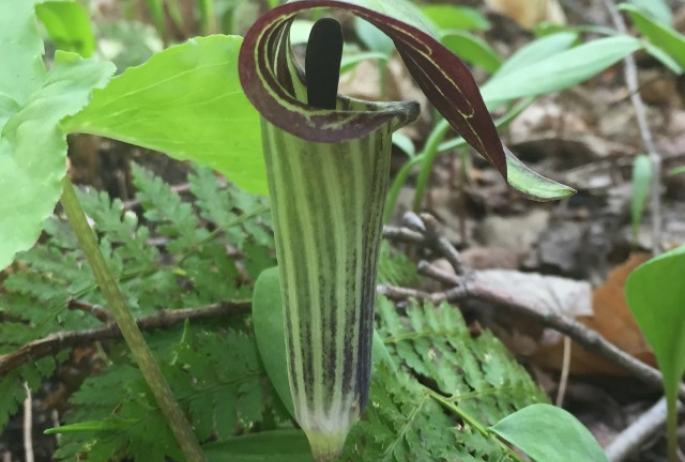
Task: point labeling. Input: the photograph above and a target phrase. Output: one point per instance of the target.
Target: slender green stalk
(207, 17)
(672, 428)
(473, 422)
(434, 147)
(430, 153)
(134, 338)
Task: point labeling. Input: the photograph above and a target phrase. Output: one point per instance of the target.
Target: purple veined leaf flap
(446, 81)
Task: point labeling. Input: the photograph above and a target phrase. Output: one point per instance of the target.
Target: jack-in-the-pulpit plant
(327, 159)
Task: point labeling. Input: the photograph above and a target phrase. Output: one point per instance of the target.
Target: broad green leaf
(472, 49)
(68, 25)
(549, 434)
(536, 51)
(32, 147)
(270, 446)
(560, 71)
(21, 47)
(661, 35)
(657, 9)
(446, 17)
(267, 317)
(642, 177)
(656, 297)
(186, 101)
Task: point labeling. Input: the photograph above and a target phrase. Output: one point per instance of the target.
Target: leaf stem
(473, 422)
(435, 146)
(141, 351)
(672, 427)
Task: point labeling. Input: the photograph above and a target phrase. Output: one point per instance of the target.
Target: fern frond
(419, 413)
(215, 376)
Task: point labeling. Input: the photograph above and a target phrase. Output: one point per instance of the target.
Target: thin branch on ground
(639, 432)
(53, 343)
(645, 132)
(400, 293)
(102, 314)
(469, 288)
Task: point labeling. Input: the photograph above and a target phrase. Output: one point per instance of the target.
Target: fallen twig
(99, 312)
(630, 439)
(468, 287)
(160, 319)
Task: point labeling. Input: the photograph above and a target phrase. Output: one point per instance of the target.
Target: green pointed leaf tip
(549, 434)
(656, 297)
(532, 184)
(443, 77)
(32, 147)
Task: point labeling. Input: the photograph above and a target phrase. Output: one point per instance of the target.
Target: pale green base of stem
(672, 429)
(134, 338)
(326, 447)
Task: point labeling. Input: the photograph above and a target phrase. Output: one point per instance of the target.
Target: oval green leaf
(549, 434)
(656, 296)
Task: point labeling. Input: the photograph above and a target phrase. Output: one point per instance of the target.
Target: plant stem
(473, 422)
(207, 17)
(430, 153)
(672, 428)
(134, 338)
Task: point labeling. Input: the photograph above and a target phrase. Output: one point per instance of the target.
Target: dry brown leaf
(529, 13)
(613, 320)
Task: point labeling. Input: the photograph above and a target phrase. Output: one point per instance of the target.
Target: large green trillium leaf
(32, 103)
(266, 73)
(185, 101)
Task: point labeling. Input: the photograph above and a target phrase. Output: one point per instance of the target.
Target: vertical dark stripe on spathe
(279, 202)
